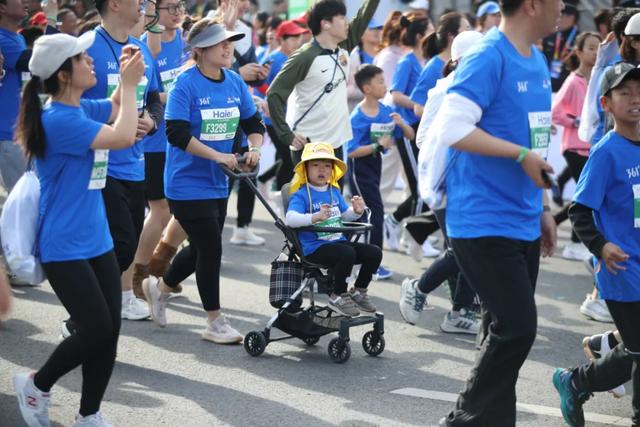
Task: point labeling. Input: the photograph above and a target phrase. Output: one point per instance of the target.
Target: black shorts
(154, 175)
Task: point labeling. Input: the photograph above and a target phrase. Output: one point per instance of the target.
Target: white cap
(419, 4)
(462, 42)
(50, 52)
(213, 35)
(633, 26)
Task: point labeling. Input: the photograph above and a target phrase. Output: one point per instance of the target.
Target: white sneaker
(156, 299)
(575, 251)
(220, 332)
(244, 236)
(433, 239)
(94, 420)
(134, 309)
(391, 233)
(428, 250)
(412, 301)
(414, 250)
(34, 404)
(596, 310)
(465, 323)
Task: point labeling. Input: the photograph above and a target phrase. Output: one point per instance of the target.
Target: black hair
(619, 21)
(436, 42)
(413, 29)
(63, 12)
(365, 74)
(263, 18)
(88, 26)
(571, 61)
(449, 67)
(627, 52)
(29, 129)
(324, 10)
(101, 6)
(603, 16)
(510, 7)
(31, 34)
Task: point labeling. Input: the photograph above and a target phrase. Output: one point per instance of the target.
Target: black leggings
(342, 256)
(203, 221)
(413, 205)
(576, 163)
(284, 165)
(246, 198)
(90, 291)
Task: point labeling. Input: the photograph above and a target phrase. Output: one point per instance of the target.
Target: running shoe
(391, 232)
(344, 304)
(94, 420)
(576, 251)
(596, 310)
(412, 301)
(383, 274)
(34, 404)
(570, 400)
(244, 236)
(428, 250)
(362, 300)
(220, 332)
(156, 299)
(464, 323)
(597, 346)
(414, 250)
(134, 309)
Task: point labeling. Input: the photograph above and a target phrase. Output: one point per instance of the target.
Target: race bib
(335, 220)
(219, 124)
(636, 205)
(99, 170)
(540, 132)
(555, 69)
(378, 130)
(112, 84)
(168, 77)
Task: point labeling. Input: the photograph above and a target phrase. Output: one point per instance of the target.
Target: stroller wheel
(339, 350)
(311, 340)
(373, 343)
(254, 343)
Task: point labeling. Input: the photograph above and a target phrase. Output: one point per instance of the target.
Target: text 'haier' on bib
(219, 124)
(540, 132)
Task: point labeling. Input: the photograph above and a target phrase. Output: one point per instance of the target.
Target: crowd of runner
(128, 111)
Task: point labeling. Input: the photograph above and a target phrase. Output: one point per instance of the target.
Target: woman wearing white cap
(204, 109)
(74, 242)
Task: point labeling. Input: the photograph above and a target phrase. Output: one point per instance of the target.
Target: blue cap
(374, 25)
(488, 8)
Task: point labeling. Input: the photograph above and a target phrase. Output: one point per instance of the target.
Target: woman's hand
(131, 66)
(229, 160)
(612, 255)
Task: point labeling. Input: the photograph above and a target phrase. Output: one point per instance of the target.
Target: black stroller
(312, 322)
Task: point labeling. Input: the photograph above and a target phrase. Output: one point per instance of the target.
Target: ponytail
(449, 67)
(29, 130)
(436, 42)
(412, 29)
(431, 46)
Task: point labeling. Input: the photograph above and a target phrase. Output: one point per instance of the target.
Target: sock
(127, 296)
(611, 337)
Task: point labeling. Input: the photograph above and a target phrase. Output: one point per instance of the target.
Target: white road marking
(523, 407)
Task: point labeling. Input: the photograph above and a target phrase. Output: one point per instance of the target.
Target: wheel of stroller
(373, 343)
(254, 343)
(311, 340)
(339, 351)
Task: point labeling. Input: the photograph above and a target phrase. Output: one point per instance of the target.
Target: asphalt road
(171, 377)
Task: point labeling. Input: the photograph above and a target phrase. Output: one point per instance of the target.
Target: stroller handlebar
(238, 174)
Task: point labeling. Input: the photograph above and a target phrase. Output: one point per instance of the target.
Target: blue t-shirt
(610, 185)
(126, 164)
(429, 75)
(214, 110)
(366, 131)
(277, 59)
(11, 45)
(490, 196)
(299, 202)
(404, 80)
(73, 218)
(169, 62)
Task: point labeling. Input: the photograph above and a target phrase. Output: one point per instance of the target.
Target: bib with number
(112, 84)
(636, 205)
(556, 69)
(335, 220)
(219, 124)
(99, 170)
(540, 132)
(168, 77)
(378, 130)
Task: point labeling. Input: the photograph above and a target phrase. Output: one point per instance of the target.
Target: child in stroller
(315, 199)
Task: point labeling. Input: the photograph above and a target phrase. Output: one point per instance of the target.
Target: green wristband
(522, 154)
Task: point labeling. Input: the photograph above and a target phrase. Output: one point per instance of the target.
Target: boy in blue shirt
(375, 127)
(605, 214)
(316, 200)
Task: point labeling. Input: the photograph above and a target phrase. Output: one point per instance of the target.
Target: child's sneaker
(344, 304)
(383, 274)
(94, 420)
(412, 301)
(362, 300)
(220, 332)
(34, 404)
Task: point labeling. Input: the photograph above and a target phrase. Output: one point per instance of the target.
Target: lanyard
(567, 44)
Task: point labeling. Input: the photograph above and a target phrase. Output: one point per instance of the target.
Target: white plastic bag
(19, 228)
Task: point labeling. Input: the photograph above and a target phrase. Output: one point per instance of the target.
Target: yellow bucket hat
(317, 151)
